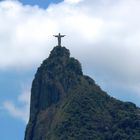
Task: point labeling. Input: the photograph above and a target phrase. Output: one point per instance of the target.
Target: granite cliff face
(67, 105)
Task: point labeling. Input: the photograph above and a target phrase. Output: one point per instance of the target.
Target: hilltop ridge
(68, 105)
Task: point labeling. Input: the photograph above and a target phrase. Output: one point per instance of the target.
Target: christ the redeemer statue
(59, 36)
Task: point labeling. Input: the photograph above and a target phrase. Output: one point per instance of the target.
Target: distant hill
(67, 105)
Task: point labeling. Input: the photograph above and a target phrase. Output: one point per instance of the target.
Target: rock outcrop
(67, 105)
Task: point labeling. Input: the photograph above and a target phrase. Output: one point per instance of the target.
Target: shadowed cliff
(67, 105)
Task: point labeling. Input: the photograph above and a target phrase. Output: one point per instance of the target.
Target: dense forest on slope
(67, 105)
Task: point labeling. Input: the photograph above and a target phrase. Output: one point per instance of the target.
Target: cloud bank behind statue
(103, 35)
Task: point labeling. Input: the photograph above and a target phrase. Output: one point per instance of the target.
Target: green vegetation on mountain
(67, 105)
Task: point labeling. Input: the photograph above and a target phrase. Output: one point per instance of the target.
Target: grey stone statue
(59, 36)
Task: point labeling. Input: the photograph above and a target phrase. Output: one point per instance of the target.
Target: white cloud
(73, 1)
(20, 111)
(102, 34)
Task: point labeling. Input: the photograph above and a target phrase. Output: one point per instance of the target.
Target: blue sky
(102, 35)
(11, 82)
(40, 3)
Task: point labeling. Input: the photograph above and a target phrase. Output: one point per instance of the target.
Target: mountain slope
(67, 105)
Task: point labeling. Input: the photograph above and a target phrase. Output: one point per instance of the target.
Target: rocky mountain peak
(59, 61)
(56, 75)
(59, 51)
(67, 105)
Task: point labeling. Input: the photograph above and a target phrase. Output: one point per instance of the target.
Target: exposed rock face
(66, 105)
